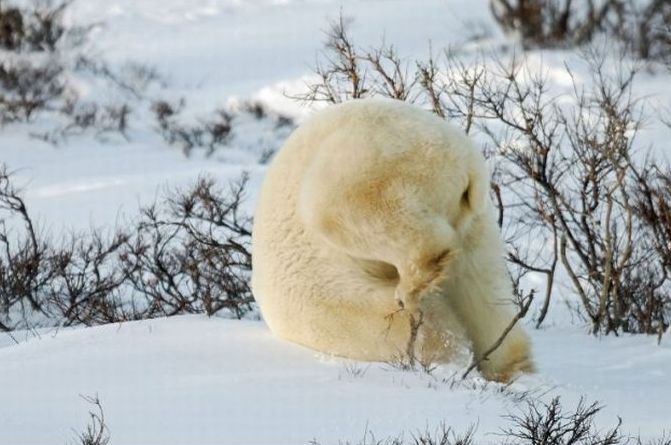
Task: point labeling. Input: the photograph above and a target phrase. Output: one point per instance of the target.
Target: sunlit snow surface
(193, 380)
(196, 380)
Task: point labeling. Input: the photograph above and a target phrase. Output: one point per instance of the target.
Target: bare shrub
(88, 284)
(343, 76)
(644, 28)
(579, 168)
(102, 119)
(25, 260)
(132, 78)
(548, 424)
(43, 282)
(664, 440)
(11, 27)
(212, 133)
(442, 435)
(569, 177)
(536, 423)
(96, 432)
(353, 370)
(81, 118)
(26, 88)
(45, 64)
(652, 206)
(191, 255)
(43, 56)
(38, 28)
(548, 23)
(565, 180)
(32, 76)
(641, 26)
(188, 253)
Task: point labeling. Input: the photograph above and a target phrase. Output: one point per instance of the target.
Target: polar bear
(374, 237)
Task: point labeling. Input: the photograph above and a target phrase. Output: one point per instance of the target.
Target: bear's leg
(442, 335)
(480, 292)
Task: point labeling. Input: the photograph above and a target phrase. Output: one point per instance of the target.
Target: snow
(191, 379)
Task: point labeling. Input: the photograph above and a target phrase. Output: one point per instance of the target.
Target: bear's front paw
(508, 372)
(509, 361)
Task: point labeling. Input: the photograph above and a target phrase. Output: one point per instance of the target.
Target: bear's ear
(476, 194)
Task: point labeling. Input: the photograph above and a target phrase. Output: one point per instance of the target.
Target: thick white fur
(375, 211)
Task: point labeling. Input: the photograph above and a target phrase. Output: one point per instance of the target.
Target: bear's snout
(421, 278)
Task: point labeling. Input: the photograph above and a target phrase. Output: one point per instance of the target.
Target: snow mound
(196, 380)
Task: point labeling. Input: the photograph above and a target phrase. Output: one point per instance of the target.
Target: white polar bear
(374, 218)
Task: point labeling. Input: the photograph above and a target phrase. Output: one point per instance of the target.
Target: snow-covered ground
(198, 380)
(190, 379)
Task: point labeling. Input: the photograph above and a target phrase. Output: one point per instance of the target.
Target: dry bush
(88, 284)
(132, 78)
(42, 282)
(26, 263)
(191, 254)
(547, 23)
(102, 119)
(212, 133)
(542, 423)
(31, 75)
(349, 72)
(188, 253)
(641, 26)
(42, 58)
(209, 135)
(36, 73)
(11, 27)
(537, 423)
(644, 28)
(573, 174)
(566, 179)
(442, 435)
(38, 28)
(26, 88)
(653, 204)
(97, 431)
(44, 63)
(664, 440)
